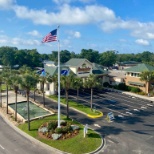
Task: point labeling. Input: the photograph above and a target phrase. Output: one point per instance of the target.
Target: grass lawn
(75, 145)
(78, 106)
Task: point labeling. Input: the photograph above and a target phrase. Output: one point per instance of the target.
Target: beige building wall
(144, 88)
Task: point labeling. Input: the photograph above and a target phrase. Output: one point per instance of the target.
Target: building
(126, 64)
(116, 77)
(132, 76)
(80, 67)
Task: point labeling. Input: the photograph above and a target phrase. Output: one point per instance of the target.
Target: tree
(146, 76)
(65, 55)
(91, 55)
(92, 82)
(28, 81)
(1, 81)
(44, 78)
(15, 81)
(108, 58)
(6, 75)
(67, 82)
(77, 84)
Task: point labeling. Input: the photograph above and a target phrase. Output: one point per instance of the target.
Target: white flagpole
(58, 77)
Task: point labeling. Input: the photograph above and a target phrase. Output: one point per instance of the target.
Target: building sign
(84, 69)
(64, 72)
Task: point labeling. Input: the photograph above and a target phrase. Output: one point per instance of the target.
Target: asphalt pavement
(132, 130)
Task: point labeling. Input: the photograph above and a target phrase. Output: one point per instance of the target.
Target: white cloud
(19, 41)
(70, 1)
(66, 15)
(6, 4)
(150, 35)
(61, 1)
(142, 42)
(34, 33)
(77, 35)
(90, 14)
(3, 41)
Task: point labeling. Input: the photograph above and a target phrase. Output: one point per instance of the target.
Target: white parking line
(129, 113)
(120, 116)
(150, 105)
(136, 110)
(143, 107)
(97, 125)
(2, 147)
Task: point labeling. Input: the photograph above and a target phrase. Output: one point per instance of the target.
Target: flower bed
(50, 130)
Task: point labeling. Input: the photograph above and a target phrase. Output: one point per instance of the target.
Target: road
(11, 142)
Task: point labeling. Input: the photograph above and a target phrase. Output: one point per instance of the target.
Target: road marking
(136, 110)
(150, 105)
(121, 116)
(2, 147)
(143, 107)
(97, 125)
(129, 113)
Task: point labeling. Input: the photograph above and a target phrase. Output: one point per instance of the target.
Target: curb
(97, 116)
(53, 150)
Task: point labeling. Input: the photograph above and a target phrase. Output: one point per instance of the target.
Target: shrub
(135, 89)
(63, 123)
(106, 84)
(122, 86)
(52, 125)
(59, 130)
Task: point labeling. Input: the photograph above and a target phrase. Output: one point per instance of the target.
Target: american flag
(52, 36)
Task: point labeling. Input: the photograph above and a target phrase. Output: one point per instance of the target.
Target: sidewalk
(140, 96)
(133, 94)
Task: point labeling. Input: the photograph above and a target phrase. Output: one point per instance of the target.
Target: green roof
(140, 68)
(98, 69)
(51, 70)
(76, 61)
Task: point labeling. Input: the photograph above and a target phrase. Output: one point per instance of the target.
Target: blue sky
(126, 26)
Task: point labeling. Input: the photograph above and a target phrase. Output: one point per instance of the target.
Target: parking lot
(132, 130)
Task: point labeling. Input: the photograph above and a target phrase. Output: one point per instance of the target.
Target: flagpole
(58, 77)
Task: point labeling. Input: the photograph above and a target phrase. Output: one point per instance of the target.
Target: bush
(122, 86)
(59, 130)
(106, 84)
(52, 125)
(63, 130)
(135, 90)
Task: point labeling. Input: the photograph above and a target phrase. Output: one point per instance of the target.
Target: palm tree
(36, 76)
(1, 90)
(67, 82)
(28, 81)
(92, 82)
(77, 84)
(44, 78)
(147, 76)
(15, 81)
(6, 77)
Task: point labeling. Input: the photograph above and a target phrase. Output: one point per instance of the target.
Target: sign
(85, 131)
(110, 115)
(64, 72)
